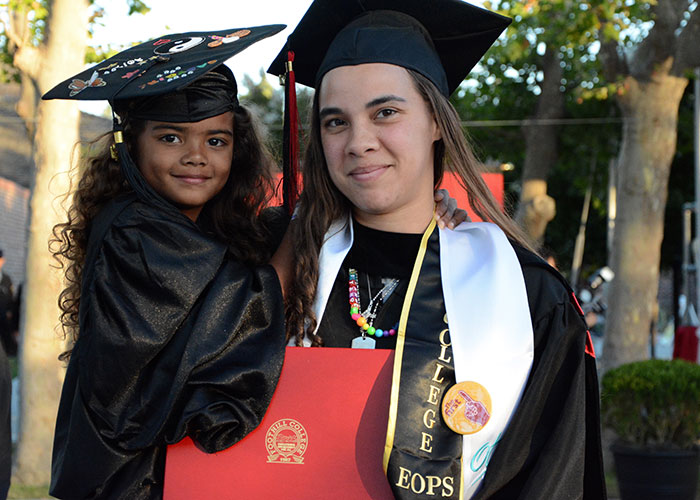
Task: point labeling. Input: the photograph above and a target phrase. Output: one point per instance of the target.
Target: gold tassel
(118, 138)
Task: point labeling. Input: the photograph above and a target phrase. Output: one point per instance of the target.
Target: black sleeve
(275, 220)
(551, 448)
(177, 340)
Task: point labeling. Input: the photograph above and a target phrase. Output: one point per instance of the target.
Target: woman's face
(187, 163)
(378, 138)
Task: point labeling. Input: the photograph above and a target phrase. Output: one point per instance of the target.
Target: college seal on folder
(286, 441)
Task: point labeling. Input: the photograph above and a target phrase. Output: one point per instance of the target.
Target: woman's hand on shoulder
(447, 213)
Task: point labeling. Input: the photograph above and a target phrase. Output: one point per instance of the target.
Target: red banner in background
(494, 181)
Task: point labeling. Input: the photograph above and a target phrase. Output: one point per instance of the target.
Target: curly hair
(321, 203)
(231, 216)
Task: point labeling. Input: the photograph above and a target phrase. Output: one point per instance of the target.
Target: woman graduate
(177, 333)
(494, 391)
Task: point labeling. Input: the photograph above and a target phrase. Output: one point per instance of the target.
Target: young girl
(176, 332)
(494, 391)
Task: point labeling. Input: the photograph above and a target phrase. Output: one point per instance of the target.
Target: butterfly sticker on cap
(220, 40)
(76, 85)
(163, 64)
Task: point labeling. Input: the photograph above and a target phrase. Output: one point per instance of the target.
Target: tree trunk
(536, 207)
(56, 135)
(650, 109)
(28, 104)
(28, 99)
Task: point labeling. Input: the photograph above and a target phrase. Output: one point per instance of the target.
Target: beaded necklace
(365, 319)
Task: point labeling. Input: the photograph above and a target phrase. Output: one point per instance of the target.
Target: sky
(172, 16)
(118, 29)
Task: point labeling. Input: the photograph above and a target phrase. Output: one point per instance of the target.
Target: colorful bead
(355, 308)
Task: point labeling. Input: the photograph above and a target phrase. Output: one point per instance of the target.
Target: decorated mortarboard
(132, 79)
(441, 39)
(174, 78)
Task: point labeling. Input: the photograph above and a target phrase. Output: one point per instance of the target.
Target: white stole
(489, 322)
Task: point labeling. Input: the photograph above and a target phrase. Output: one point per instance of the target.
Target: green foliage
(94, 55)
(266, 100)
(506, 86)
(36, 13)
(23, 491)
(137, 7)
(653, 403)
(32, 15)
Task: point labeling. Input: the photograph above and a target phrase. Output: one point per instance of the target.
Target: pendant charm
(466, 407)
(363, 343)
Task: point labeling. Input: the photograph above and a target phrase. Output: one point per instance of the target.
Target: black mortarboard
(441, 39)
(174, 78)
(178, 77)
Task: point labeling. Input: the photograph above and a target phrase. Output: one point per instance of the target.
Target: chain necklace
(365, 319)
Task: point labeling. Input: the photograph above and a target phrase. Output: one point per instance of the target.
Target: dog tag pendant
(363, 343)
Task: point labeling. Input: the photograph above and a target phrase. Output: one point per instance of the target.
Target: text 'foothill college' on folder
(323, 433)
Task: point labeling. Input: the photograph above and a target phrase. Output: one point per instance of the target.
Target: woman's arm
(283, 258)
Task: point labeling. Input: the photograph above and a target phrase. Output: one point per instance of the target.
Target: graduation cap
(145, 80)
(173, 78)
(441, 39)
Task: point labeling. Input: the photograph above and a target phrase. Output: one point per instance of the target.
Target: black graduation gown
(176, 339)
(551, 448)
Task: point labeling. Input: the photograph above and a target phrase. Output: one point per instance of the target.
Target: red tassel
(290, 165)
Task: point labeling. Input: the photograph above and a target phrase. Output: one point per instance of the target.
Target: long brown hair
(232, 215)
(321, 203)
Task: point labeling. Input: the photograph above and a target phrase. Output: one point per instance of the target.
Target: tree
(548, 54)
(651, 66)
(646, 49)
(59, 53)
(46, 42)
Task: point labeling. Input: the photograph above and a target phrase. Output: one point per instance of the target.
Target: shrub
(654, 403)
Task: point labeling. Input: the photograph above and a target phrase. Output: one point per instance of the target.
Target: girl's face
(187, 163)
(378, 138)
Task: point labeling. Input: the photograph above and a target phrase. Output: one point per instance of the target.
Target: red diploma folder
(322, 437)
